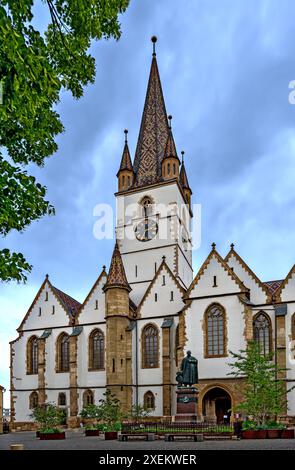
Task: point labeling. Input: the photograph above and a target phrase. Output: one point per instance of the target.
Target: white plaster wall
(225, 283)
(87, 378)
(163, 306)
(46, 319)
(151, 375)
(89, 313)
(288, 292)
(257, 296)
(22, 411)
(157, 391)
(210, 368)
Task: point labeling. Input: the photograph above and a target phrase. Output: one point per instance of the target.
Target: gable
(258, 292)
(163, 296)
(93, 308)
(214, 278)
(46, 311)
(286, 292)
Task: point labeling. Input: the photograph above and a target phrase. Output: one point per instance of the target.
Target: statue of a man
(188, 374)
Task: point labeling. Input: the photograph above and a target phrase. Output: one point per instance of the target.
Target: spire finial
(182, 156)
(232, 245)
(154, 40)
(169, 119)
(104, 267)
(164, 258)
(126, 133)
(213, 246)
(47, 276)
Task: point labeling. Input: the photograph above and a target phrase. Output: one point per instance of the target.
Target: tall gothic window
(150, 346)
(215, 331)
(32, 355)
(96, 350)
(88, 398)
(63, 353)
(149, 400)
(33, 400)
(262, 332)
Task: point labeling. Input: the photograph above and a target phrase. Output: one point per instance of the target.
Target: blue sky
(225, 67)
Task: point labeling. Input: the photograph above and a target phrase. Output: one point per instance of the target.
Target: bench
(149, 436)
(196, 437)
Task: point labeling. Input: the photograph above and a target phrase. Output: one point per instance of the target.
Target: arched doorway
(216, 406)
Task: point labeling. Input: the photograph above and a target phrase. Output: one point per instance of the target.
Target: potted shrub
(91, 414)
(111, 415)
(274, 430)
(48, 417)
(249, 430)
(287, 433)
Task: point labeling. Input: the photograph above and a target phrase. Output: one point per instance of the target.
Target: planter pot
(273, 433)
(91, 432)
(249, 434)
(111, 435)
(52, 436)
(261, 434)
(287, 434)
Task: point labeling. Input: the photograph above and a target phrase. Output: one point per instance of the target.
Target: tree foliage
(34, 69)
(264, 392)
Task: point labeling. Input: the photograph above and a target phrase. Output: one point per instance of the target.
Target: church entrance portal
(216, 406)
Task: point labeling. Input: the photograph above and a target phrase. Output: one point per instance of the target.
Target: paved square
(77, 441)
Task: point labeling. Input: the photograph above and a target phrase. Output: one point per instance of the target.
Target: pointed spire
(117, 276)
(183, 176)
(153, 132)
(170, 148)
(126, 163)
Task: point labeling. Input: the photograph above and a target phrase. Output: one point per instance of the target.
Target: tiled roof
(117, 276)
(273, 286)
(183, 177)
(153, 133)
(126, 163)
(170, 149)
(71, 305)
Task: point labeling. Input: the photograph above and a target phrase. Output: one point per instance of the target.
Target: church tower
(118, 333)
(153, 198)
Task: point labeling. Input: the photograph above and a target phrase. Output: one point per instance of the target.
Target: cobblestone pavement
(77, 441)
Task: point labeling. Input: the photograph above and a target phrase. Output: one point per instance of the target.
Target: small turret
(125, 174)
(184, 181)
(170, 162)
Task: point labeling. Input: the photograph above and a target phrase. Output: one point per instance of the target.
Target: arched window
(96, 350)
(176, 344)
(150, 346)
(174, 169)
(33, 400)
(88, 398)
(262, 332)
(149, 400)
(32, 355)
(215, 331)
(168, 168)
(147, 206)
(63, 353)
(62, 399)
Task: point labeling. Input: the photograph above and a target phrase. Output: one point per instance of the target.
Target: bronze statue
(188, 374)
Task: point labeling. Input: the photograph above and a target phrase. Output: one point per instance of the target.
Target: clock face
(146, 230)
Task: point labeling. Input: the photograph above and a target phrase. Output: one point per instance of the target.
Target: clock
(146, 230)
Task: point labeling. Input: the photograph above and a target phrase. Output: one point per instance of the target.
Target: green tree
(264, 393)
(111, 412)
(34, 69)
(48, 417)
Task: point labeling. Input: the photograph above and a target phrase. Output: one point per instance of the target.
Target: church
(149, 308)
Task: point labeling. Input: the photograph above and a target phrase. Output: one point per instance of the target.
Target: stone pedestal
(186, 404)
